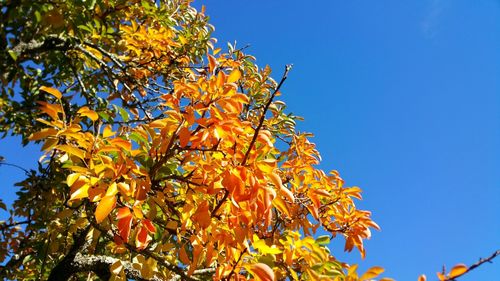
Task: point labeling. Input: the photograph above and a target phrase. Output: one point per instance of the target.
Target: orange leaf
(123, 212)
(149, 225)
(50, 109)
(458, 270)
(184, 136)
(212, 62)
(142, 239)
(183, 257)
(276, 180)
(280, 204)
(52, 91)
(104, 207)
(422, 278)
(202, 215)
(372, 273)
(124, 223)
(124, 144)
(262, 272)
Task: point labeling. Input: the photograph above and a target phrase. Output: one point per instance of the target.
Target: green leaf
(13, 55)
(323, 240)
(38, 16)
(84, 27)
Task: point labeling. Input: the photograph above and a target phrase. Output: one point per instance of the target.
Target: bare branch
(476, 265)
(263, 116)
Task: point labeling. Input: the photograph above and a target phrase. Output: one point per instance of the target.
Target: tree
(165, 157)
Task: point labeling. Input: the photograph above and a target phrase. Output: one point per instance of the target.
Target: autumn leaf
(181, 143)
(372, 273)
(52, 91)
(458, 270)
(234, 76)
(87, 112)
(104, 207)
(124, 224)
(142, 238)
(262, 272)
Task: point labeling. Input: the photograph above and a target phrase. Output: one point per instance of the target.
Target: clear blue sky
(403, 97)
(404, 100)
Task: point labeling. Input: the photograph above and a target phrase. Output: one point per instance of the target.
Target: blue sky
(403, 98)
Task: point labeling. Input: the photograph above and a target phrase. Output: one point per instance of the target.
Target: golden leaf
(104, 207)
(52, 91)
(42, 134)
(458, 270)
(372, 273)
(87, 112)
(234, 76)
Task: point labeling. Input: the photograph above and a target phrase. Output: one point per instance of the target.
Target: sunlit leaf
(104, 207)
(262, 272)
(458, 270)
(52, 91)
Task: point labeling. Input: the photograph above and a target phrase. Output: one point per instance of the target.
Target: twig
(263, 116)
(236, 264)
(476, 265)
(15, 166)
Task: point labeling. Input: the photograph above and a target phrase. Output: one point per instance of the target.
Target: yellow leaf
(104, 207)
(234, 76)
(441, 276)
(280, 204)
(79, 189)
(43, 134)
(52, 91)
(107, 132)
(87, 112)
(458, 270)
(72, 151)
(112, 190)
(264, 249)
(70, 180)
(125, 188)
(49, 144)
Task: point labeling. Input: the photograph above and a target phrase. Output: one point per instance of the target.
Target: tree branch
(101, 266)
(476, 265)
(52, 42)
(63, 270)
(263, 116)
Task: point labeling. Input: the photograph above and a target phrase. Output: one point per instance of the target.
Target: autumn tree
(165, 157)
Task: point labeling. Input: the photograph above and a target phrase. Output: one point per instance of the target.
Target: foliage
(165, 157)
